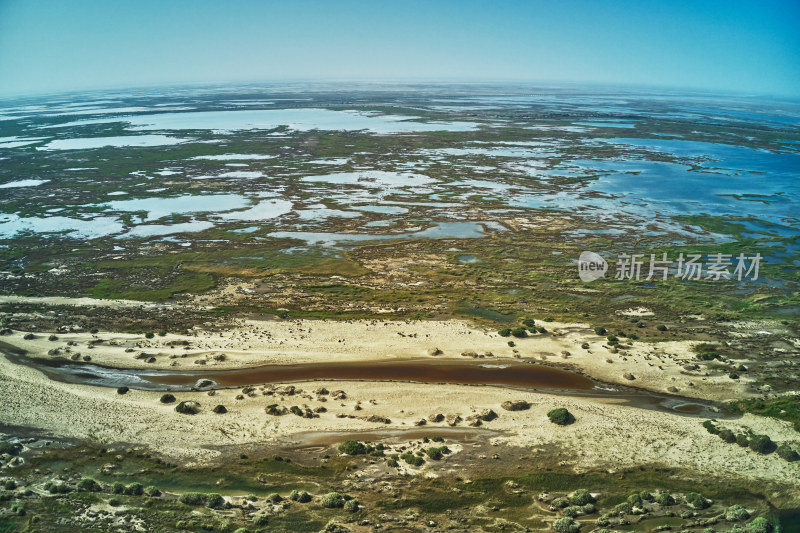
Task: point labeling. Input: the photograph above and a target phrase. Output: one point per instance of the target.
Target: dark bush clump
(736, 513)
(11, 448)
(149, 335)
(353, 447)
(193, 498)
(413, 460)
(711, 427)
(529, 323)
(167, 398)
(696, 500)
(214, 501)
(727, 435)
(122, 390)
(560, 416)
(434, 453)
(581, 497)
(188, 408)
(505, 332)
(519, 332)
(333, 500)
(152, 491)
(134, 489)
(89, 485)
(761, 444)
(300, 496)
(118, 488)
(600, 330)
(742, 440)
(759, 525)
(787, 453)
(665, 499)
(566, 525)
(220, 410)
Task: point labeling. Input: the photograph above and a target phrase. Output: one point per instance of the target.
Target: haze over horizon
(732, 46)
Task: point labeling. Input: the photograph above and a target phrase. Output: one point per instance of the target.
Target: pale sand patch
(605, 435)
(636, 311)
(655, 366)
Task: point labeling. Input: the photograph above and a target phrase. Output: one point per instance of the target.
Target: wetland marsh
(349, 263)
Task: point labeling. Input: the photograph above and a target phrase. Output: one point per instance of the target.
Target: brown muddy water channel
(515, 375)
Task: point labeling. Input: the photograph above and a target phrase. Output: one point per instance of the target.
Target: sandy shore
(605, 435)
(659, 367)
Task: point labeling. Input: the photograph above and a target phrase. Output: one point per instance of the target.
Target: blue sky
(726, 46)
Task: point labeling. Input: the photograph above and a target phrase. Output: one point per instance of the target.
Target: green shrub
(353, 447)
(261, 520)
(134, 489)
(572, 511)
(519, 332)
(529, 323)
(333, 500)
(665, 499)
(711, 427)
(11, 484)
(581, 497)
(787, 453)
(707, 356)
(612, 339)
(434, 453)
(600, 330)
(559, 503)
(89, 485)
(214, 500)
(118, 488)
(736, 513)
(635, 500)
(114, 502)
(193, 498)
(727, 435)
(566, 525)
(122, 390)
(661, 327)
(548, 319)
(646, 496)
(560, 416)
(351, 506)
(742, 440)
(274, 498)
(300, 496)
(759, 525)
(220, 410)
(505, 332)
(392, 463)
(167, 398)
(149, 335)
(623, 508)
(696, 500)
(761, 444)
(152, 491)
(413, 460)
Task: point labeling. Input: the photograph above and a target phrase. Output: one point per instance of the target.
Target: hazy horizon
(721, 47)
